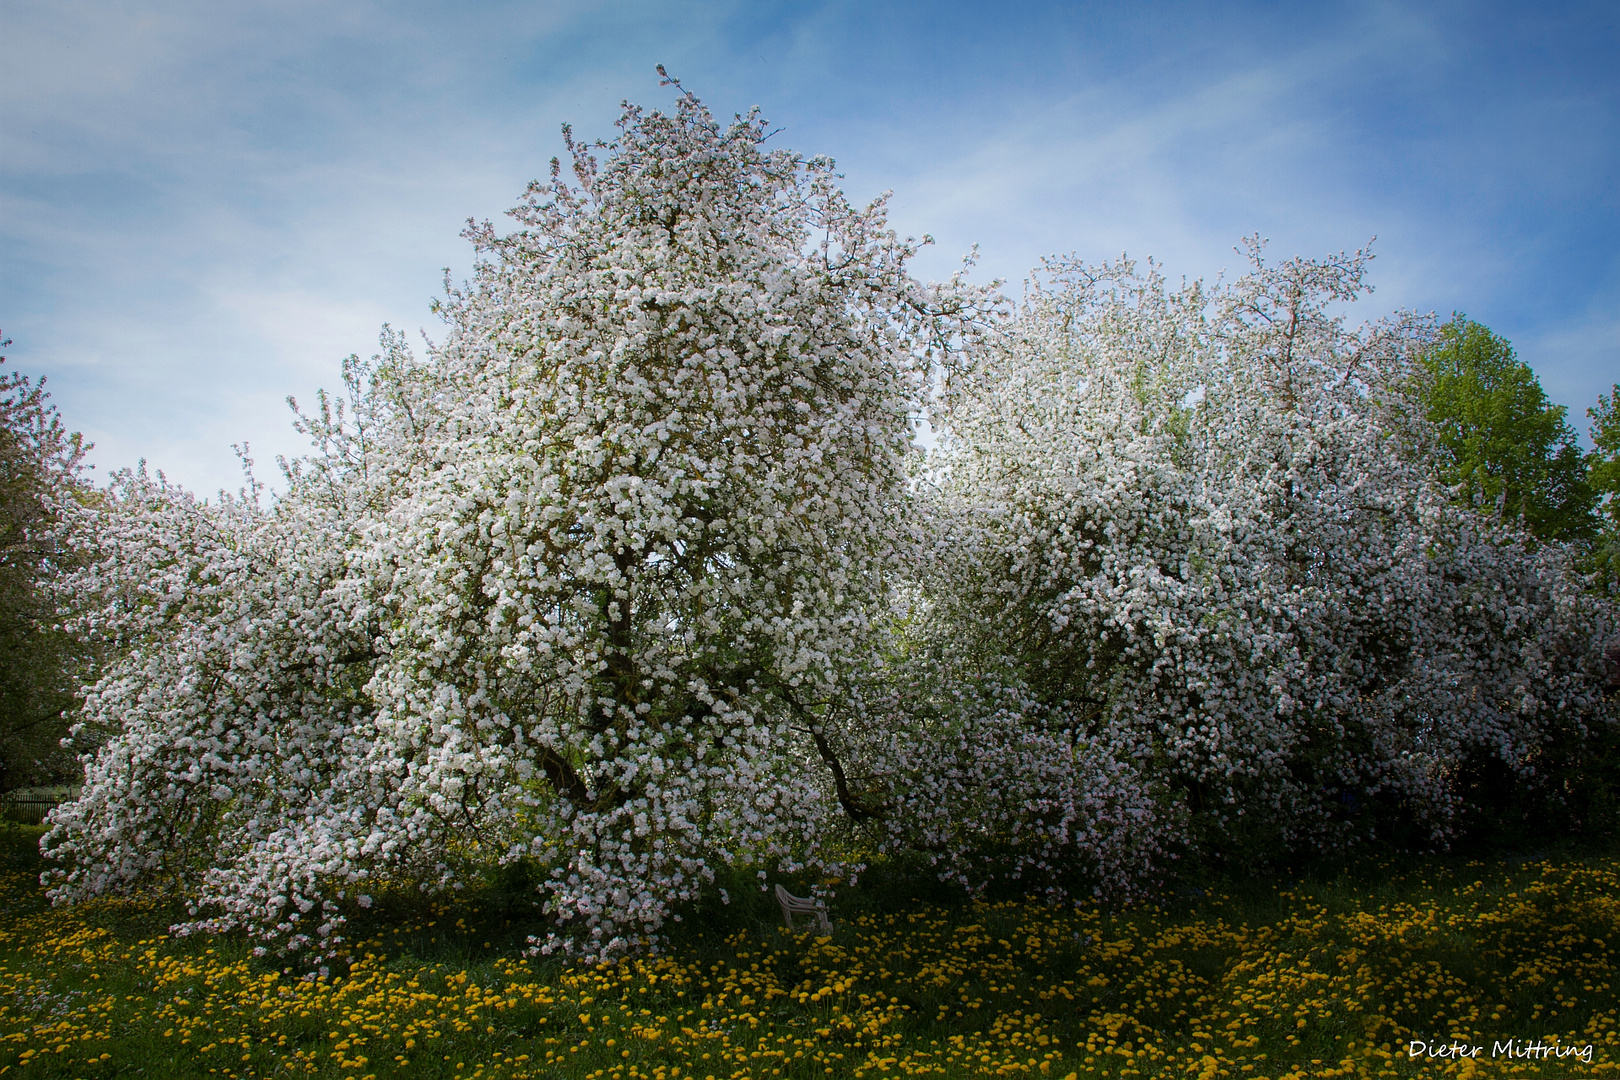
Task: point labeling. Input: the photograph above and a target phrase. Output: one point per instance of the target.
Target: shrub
(1204, 525)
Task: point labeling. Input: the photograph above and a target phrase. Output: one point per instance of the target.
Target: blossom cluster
(1203, 523)
(640, 573)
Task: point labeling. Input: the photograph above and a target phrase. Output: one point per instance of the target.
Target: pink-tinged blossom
(638, 574)
(1202, 524)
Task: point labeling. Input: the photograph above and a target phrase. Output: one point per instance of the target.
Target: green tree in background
(40, 463)
(1603, 474)
(1507, 448)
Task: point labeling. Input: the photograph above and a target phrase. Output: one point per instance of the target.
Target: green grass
(1326, 972)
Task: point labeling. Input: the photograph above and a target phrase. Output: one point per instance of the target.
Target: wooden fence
(28, 809)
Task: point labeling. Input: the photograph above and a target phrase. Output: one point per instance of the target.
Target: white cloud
(205, 207)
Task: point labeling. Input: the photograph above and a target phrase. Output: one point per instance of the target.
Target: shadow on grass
(1294, 973)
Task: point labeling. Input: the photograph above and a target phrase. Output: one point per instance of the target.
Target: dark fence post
(29, 809)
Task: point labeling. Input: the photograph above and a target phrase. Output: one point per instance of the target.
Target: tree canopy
(638, 579)
(39, 469)
(1603, 474)
(1505, 447)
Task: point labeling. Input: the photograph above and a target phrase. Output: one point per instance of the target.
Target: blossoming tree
(605, 557)
(1205, 524)
(665, 504)
(639, 573)
(41, 470)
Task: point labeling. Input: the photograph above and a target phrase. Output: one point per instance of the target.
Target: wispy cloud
(204, 207)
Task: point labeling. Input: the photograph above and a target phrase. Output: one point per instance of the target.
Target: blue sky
(204, 206)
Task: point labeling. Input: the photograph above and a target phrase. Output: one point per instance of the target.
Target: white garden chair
(798, 905)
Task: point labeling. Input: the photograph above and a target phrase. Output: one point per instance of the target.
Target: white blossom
(639, 574)
(1203, 523)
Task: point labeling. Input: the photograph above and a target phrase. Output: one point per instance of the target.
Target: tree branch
(857, 813)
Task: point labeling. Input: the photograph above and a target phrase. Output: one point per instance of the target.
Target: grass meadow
(1328, 973)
